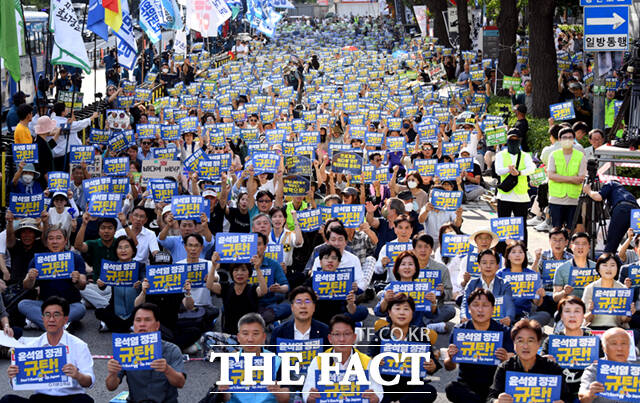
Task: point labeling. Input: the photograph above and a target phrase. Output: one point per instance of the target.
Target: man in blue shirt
(621, 202)
(175, 245)
(273, 305)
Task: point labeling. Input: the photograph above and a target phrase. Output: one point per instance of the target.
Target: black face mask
(406, 125)
(513, 146)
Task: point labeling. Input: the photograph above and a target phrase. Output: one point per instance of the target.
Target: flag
(113, 13)
(282, 4)
(221, 12)
(206, 16)
(150, 11)
(68, 46)
(172, 15)
(127, 48)
(9, 45)
(235, 6)
(95, 20)
(180, 43)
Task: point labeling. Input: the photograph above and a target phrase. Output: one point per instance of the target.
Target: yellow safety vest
(559, 189)
(523, 186)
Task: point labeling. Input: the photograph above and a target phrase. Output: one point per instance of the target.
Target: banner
(309, 349)
(582, 277)
(351, 215)
(416, 290)
(265, 162)
(562, 111)
(150, 14)
(80, 154)
(127, 49)
(40, 368)
(538, 177)
(389, 366)
(530, 387)
(162, 190)
(187, 207)
(310, 220)
(446, 200)
(118, 274)
(612, 301)
(105, 205)
(25, 152)
(476, 346)
(58, 182)
(333, 285)
(508, 228)
(454, 244)
(54, 266)
(346, 162)
(136, 351)
(236, 248)
(620, 380)
(68, 45)
(26, 205)
(496, 136)
(421, 18)
(167, 279)
(118, 166)
(574, 352)
(296, 185)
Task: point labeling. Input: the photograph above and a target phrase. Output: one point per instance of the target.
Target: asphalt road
(201, 374)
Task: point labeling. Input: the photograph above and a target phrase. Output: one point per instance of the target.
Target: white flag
(127, 48)
(206, 16)
(180, 43)
(68, 46)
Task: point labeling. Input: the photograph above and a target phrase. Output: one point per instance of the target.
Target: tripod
(594, 212)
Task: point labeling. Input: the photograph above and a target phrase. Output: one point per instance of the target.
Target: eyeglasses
(56, 315)
(146, 143)
(252, 120)
(342, 335)
(303, 301)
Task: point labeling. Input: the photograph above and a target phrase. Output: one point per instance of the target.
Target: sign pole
(598, 95)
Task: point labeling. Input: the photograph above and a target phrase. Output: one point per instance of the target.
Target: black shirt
(45, 158)
(542, 366)
(21, 257)
(523, 126)
(238, 222)
(236, 306)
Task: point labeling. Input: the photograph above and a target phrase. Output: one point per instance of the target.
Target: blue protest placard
(116, 166)
(236, 247)
(347, 162)
(120, 141)
(447, 171)
(332, 284)
(433, 277)
(634, 274)
(612, 301)
(105, 205)
(188, 124)
(53, 266)
(119, 185)
(476, 346)
(25, 152)
(170, 132)
(508, 228)
(426, 167)
(274, 252)
(562, 111)
(499, 310)
(80, 154)
(187, 207)
(119, 274)
(581, 277)
(454, 244)
(635, 221)
(310, 220)
(58, 181)
(136, 351)
(298, 165)
(388, 366)
(148, 131)
(530, 387)
(96, 185)
(620, 380)
(196, 273)
(351, 215)
(473, 267)
(416, 290)
(342, 393)
(162, 190)
(236, 375)
(167, 153)
(393, 249)
(209, 170)
(167, 279)
(265, 162)
(574, 352)
(446, 200)
(98, 136)
(296, 185)
(396, 143)
(549, 268)
(523, 285)
(40, 368)
(26, 205)
(373, 139)
(192, 162)
(309, 349)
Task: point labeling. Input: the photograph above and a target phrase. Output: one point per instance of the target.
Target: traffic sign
(606, 28)
(588, 3)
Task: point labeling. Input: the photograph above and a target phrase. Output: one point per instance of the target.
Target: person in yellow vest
(566, 171)
(343, 337)
(516, 201)
(610, 113)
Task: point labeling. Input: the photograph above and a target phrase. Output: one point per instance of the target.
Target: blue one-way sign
(587, 3)
(606, 28)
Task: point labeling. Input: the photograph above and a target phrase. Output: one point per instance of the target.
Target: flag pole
(28, 46)
(95, 65)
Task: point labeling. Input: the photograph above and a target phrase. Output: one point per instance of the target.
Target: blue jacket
(624, 273)
(500, 289)
(286, 331)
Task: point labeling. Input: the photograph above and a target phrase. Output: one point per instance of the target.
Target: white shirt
(348, 260)
(529, 168)
(78, 354)
(147, 243)
(288, 240)
(201, 295)
(485, 286)
(298, 335)
(61, 146)
(310, 380)
(379, 268)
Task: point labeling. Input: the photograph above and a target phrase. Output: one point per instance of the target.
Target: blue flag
(95, 19)
(150, 20)
(127, 48)
(172, 15)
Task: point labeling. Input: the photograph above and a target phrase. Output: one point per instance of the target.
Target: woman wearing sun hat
(46, 127)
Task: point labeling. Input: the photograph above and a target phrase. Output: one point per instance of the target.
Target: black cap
(19, 98)
(406, 195)
(350, 190)
(513, 132)
(520, 108)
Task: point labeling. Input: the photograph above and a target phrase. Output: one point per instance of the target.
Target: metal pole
(598, 95)
(95, 66)
(28, 45)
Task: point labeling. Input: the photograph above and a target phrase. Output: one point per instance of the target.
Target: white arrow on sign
(615, 20)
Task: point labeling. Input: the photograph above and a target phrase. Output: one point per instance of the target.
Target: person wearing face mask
(512, 161)
(24, 179)
(566, 171)
(414, 184)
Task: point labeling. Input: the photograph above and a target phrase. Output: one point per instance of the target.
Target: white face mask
(165, 71)
(408, 207)
(412, 184)
(249, 125)
(566, 144)
(27, 178)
